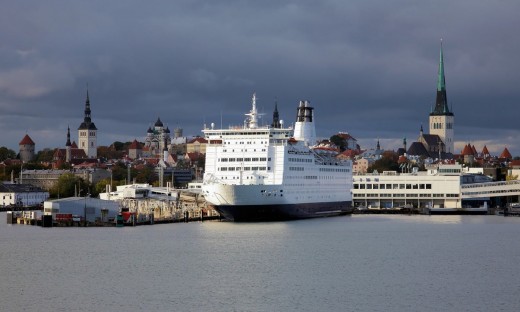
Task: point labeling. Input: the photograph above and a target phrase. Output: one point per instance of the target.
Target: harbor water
(350, 263)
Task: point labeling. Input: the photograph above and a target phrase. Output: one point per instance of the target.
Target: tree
(339, 142)
(6, 153)
(44, 155)
(146, 175)
(388, 162)
(100, 187)
(68, 184)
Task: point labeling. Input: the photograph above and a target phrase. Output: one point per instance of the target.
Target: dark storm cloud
(369, 67)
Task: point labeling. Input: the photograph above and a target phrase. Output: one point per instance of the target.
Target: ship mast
(253, 114)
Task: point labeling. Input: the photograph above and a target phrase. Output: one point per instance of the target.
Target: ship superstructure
(256, 172)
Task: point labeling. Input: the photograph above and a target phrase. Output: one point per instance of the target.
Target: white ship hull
(266, 202)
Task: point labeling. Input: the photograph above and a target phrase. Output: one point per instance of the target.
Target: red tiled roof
(474, 150)
(506, 154)
(199, 139)
(514, 163)
(346, 136)
(193, 156)
(26, 140)
(350, 153)
(485, 151)
(85, 165)
(467, 150)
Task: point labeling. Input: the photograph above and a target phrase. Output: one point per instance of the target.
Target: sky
(368, 68)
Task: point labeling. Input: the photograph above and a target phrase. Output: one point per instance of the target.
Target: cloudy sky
(368, 67)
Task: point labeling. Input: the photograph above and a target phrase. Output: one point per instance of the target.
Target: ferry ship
(267, 173)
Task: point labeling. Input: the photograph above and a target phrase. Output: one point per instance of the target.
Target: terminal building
(438, 187)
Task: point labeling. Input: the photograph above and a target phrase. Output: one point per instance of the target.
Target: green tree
(388, 162)
(100, 187)
(119, 171)
(44, 155)
(146, 175)
(68, 184)
(339, 142)
(6, 153)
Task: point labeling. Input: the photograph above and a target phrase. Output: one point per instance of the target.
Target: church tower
(442, 119)
(87, 133)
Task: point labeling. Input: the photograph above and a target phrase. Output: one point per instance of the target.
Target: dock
(80, 212)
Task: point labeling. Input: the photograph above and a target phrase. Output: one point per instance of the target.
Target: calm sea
(352, 263)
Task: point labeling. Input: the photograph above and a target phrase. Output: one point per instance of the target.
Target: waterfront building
(92, 209)
(26, 149)
(438, 187)
(87, 133)
(21, 195)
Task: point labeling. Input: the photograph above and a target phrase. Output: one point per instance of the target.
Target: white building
(87, 207)
(435, 188)
(21, 195)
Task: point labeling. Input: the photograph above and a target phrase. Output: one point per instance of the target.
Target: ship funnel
(304, 129)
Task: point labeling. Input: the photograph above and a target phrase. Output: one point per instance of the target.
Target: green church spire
(441, 83)
(441, 102)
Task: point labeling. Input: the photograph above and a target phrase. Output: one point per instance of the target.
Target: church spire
(441, 83)
(87, 123)
(87, 109)
(68, 137)
(441, 102)
(276, 117)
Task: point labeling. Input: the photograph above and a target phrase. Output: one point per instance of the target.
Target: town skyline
(368, 69)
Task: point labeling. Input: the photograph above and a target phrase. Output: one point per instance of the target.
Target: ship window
(428, 186)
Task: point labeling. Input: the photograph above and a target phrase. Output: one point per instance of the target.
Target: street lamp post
(85, 210)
